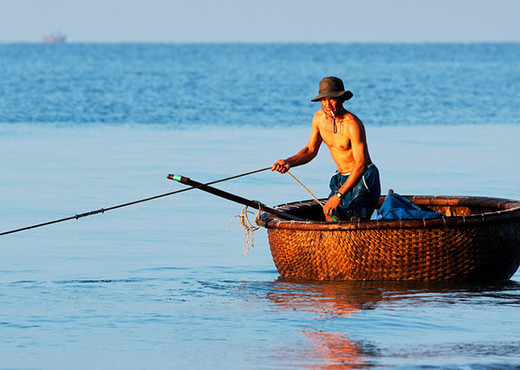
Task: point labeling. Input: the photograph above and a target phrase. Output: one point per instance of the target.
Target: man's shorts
(361, 200)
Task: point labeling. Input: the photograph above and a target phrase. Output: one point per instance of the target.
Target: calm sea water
(165, 284)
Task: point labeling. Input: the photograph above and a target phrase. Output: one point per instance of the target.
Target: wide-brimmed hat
(332, 87)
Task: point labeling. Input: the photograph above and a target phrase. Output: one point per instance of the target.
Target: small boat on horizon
(54, 38)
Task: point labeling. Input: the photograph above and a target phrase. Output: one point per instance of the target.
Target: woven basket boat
(477, 239)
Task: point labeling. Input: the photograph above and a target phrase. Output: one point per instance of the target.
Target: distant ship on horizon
(54, 38)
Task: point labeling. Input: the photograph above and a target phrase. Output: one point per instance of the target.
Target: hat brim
(346, 95)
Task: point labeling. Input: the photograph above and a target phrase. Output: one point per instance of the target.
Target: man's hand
(281, 166)
(331, 205)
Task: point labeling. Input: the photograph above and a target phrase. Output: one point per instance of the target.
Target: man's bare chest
(338, 139)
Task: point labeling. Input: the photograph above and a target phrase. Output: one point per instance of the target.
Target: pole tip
(177, 178)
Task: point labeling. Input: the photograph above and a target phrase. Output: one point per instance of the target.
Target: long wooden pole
(235, 198)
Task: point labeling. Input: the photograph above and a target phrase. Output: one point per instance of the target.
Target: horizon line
(269, 42)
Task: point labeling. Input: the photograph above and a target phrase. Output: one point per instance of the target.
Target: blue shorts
(361, 200)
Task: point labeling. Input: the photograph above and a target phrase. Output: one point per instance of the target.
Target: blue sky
(262, 20)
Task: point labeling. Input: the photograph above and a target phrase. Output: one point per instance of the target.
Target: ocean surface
(166, 283)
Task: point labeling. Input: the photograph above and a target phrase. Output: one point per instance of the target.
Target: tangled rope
(248, 226)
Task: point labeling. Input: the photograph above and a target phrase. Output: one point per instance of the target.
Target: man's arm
(307, 154)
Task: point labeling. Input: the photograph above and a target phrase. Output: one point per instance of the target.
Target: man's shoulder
(353, 119)
(319, 116)
(351, 116)
(319, 113)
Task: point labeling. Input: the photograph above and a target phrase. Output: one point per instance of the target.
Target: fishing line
(103, 210)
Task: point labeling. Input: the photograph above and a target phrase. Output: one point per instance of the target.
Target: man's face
(330, 105)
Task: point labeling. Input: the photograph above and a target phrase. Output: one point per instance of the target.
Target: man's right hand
(281, 166)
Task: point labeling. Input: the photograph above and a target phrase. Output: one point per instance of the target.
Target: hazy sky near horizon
(261, 20)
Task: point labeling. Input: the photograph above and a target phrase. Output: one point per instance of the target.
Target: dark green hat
(332, 87)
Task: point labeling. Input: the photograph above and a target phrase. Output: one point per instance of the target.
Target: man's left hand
(331, 205)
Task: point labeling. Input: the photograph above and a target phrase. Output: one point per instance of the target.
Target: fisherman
(355, 187)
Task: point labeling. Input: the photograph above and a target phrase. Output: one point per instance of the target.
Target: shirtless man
(355, 187)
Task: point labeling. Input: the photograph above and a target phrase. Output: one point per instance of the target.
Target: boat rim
(506, 209)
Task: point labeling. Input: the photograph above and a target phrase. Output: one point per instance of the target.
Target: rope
(308, 191)
(312, 195)
(248, 226)
(103, 210)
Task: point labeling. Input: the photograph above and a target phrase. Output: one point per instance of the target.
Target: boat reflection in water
(328, 300)
(359, 324)
(333, 350)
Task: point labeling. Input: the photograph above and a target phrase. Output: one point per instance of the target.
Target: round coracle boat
(476, 239)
